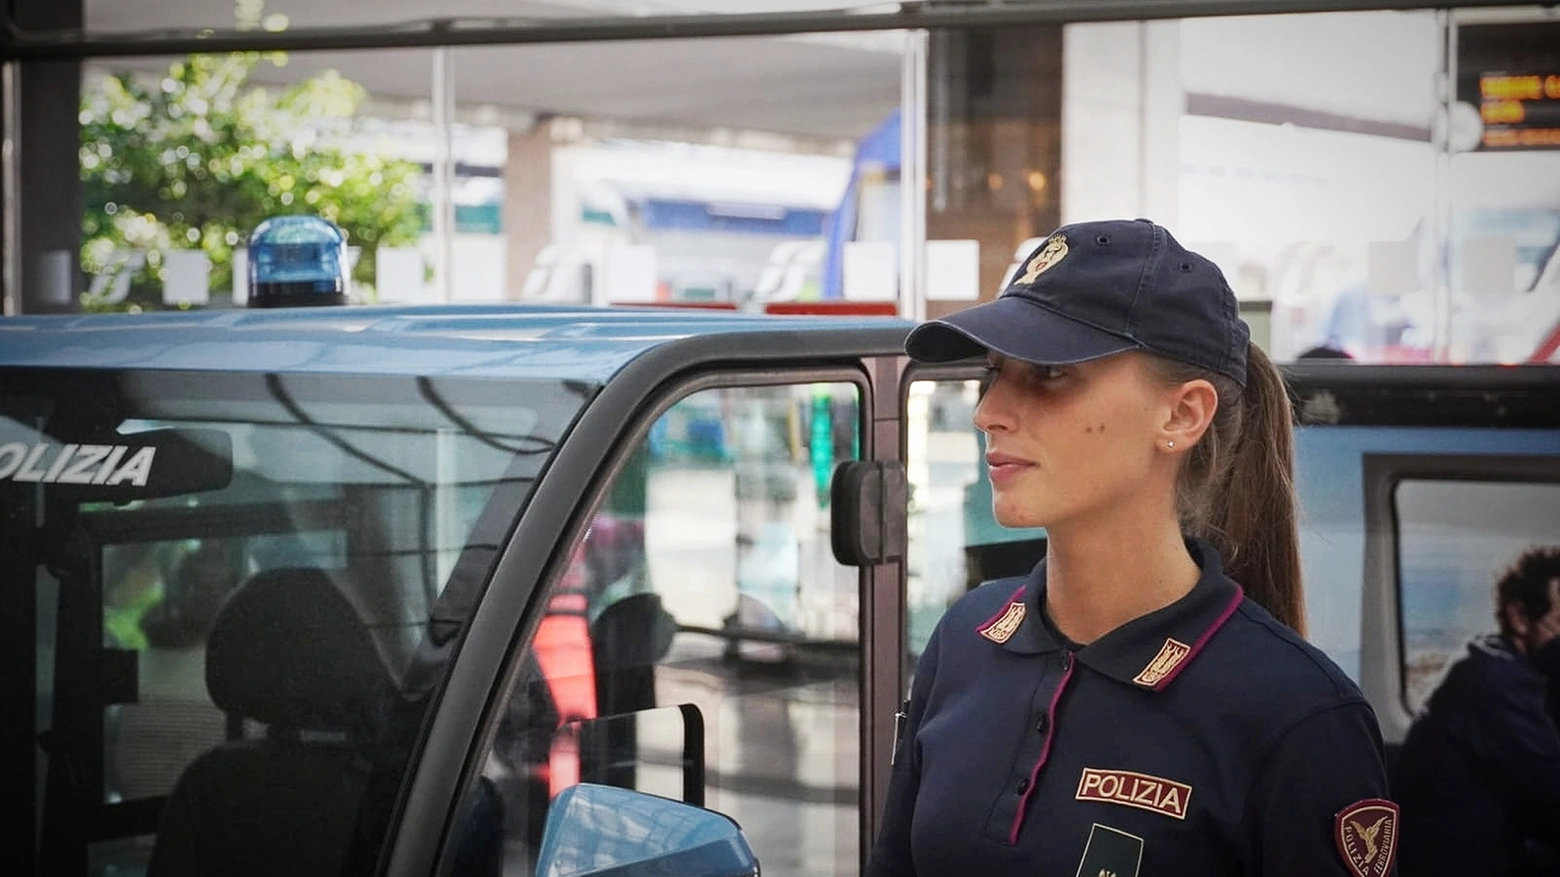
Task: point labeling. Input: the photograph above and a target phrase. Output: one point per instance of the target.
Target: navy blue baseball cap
(1094, 289)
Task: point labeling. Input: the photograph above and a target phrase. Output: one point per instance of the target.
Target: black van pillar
(48, 193)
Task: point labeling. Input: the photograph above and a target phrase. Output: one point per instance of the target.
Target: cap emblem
(1170, 656)
(1054, 251)
(1002, 628)
(1366, 832)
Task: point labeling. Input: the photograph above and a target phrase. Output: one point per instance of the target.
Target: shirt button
(1023, 785)
(1044, 724)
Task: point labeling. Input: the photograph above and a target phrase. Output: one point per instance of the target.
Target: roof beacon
(297, 261)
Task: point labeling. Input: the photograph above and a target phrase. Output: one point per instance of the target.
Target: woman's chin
(1017, 519)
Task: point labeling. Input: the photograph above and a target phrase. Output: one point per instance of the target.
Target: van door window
(702, 642)
(1455, 539)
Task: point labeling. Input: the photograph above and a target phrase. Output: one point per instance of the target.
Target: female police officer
(1141, 703)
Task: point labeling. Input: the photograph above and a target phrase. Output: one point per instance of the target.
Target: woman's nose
(991, 411)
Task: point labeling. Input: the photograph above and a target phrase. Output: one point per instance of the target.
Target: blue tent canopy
(878, 150)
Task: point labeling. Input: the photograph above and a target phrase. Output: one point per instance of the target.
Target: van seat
(288, 650)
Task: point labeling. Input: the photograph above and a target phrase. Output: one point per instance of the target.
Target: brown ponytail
(1236, 489)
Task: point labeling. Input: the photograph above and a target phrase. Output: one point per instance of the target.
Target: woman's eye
(1031, 373)
(988, 376)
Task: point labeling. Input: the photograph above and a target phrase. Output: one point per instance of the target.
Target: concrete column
(528, 188)
(1121, 111)
(993, 143)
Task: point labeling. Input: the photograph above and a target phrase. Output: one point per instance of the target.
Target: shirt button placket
(1007, 813)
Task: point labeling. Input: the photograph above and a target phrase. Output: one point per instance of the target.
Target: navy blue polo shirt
(1205, 738)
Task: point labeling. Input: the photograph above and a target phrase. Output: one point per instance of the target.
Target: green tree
(197, 157)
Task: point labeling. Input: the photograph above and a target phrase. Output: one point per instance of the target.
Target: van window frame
(509, 595)
(1383, 646)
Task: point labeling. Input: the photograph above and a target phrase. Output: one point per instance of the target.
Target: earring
(1170, 444)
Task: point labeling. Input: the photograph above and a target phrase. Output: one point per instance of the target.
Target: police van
(555, 590)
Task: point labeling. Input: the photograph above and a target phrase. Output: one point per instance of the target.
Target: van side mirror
(594, 829)
(869, 512)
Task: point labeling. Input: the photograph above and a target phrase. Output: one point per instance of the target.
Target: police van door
(699, 640)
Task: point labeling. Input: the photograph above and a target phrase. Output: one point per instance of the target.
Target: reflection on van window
(1454, 540)
(703, 643)
(222, 637)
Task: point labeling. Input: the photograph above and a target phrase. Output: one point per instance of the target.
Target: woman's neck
(1100, 576)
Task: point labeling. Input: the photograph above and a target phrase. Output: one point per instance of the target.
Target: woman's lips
(1002, 467)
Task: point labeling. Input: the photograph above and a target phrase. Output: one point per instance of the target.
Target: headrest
(287, 649)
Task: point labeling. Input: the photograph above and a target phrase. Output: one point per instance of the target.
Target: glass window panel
(378, 511)
(703, 642)
(182, 158)
(618, 172)
(1455, 539)
(1504, 262)
(717, 171)
(1357, 207)
(1316, 194)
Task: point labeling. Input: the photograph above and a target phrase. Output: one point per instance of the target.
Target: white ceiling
(1378, 65)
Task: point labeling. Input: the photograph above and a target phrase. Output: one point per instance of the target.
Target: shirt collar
(1500, 646)
(1149, 651)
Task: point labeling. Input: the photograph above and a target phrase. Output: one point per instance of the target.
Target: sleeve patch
(1366, 832)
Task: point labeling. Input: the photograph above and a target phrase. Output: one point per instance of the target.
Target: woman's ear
(1188, 415)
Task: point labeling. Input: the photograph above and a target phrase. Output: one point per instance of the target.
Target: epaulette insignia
(1002, 628)
(1170, 656)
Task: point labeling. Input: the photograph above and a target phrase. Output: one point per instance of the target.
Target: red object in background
(1394, 354)
(687, 305)
(834, 308)
(563, 651)
(1547, 350)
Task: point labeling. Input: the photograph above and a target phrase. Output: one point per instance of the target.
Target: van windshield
(221, 559)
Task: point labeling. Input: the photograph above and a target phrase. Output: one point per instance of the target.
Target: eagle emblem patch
(1366, 832)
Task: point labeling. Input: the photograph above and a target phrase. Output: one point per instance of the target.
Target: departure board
(1511, 73)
